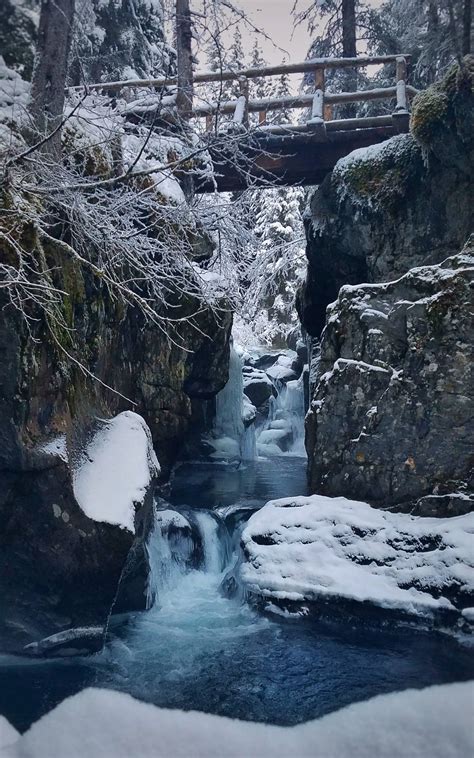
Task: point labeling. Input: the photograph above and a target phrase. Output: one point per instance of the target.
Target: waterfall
(283, 430)
(231, 438)
(208, 528)
(228, 421)
(171, 550)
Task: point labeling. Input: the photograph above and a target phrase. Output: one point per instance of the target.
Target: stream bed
(198, 649)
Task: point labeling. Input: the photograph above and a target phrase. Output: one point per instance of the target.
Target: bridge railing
(320, 101)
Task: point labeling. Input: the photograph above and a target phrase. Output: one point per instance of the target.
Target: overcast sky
(274, 16)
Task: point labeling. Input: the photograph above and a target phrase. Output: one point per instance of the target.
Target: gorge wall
(59, 568)
(393, 394)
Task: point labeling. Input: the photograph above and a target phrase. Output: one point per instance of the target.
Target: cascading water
(169, 548)
(231, 438)
(214, 556)
(283, 430)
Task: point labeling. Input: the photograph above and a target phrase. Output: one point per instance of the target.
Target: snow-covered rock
(432, 723)
(249, 411)
(78, 641)
(116, 470)
(283, 369)
(330, 550)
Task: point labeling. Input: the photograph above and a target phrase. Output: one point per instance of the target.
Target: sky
(274, 16)
(276, 19)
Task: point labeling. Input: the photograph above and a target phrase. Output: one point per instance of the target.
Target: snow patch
(8, 734)
(320, 548)
(56, 447)
(431, 723)
(115, 470)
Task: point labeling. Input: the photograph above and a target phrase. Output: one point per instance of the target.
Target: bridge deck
(270, 155)
(273, 159)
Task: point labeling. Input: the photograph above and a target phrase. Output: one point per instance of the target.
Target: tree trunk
(349, 50)
(50, 71)
(466, 27)
(184, 99)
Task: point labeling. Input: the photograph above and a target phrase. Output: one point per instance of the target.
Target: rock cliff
(59, 568)
(391, 417)
(405, 202)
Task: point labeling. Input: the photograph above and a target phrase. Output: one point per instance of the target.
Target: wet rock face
(391, 417)
(58, 568)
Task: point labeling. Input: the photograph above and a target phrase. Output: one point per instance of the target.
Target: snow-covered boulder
(431, 723)
(340, 555)
(116, 471)
(284, 369)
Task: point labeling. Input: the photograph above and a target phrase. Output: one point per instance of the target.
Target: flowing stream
(201, 647)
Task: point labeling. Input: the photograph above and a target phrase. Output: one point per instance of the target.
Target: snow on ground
(116, 470)
(8, 735)
(310, 548)
(430, 723)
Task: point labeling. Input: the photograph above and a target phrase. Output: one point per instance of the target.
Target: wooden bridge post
(316, 121)
(401, 116)
(241, 113)
(244, 92)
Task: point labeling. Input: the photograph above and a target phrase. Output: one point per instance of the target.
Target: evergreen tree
(282, 116)
(258, 86)
(279, 262)
(433, 32)
(235, 62)
(118, 39)
(18, 32)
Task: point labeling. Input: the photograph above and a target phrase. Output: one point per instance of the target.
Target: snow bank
(430, 723)
(321, 548)
(8, 735)
(116, 470)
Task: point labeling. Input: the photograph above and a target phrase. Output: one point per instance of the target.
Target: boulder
(258, 387)
(70, 528)
(264, 360)
(391, 415)
(339, 557)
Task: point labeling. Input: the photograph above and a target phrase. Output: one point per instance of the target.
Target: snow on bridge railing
(319, 101)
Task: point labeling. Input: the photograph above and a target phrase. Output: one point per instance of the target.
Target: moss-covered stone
(442, 119)
(380, 175)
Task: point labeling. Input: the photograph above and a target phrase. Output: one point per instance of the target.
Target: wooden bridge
(246, 154)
